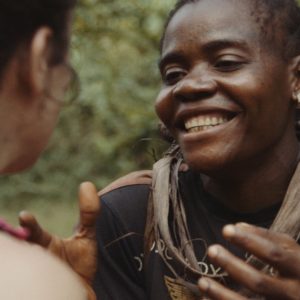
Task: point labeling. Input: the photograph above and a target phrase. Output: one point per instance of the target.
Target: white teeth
(214, 121)
(201, 123)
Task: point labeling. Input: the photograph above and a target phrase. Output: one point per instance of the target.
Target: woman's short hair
(20, 19)
(279, 21)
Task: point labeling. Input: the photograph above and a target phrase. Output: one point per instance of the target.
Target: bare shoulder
(28, 272)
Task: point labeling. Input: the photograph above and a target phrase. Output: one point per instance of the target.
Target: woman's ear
(296, 79)
(39, 53)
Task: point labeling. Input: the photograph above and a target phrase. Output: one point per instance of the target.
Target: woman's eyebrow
(170, 58)
(217, 45)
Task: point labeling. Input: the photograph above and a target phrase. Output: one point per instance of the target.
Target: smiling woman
(231, 84)
(220, 70)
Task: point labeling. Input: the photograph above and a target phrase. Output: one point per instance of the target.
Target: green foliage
(111, 128)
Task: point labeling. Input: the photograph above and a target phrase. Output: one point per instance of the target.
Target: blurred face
(225, 97)
(29, 107)
(45, 113)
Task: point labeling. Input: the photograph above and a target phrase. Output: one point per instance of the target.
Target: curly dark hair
(279, 21)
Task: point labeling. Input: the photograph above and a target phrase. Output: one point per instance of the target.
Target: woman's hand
(280, 251)
(80, 250)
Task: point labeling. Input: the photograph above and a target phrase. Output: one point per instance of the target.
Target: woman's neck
(262, 185)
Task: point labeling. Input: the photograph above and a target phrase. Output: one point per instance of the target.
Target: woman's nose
(194, 87)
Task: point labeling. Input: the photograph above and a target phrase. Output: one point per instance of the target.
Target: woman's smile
(205, 117)
(208, 127)
(205, 122)
(225, 96)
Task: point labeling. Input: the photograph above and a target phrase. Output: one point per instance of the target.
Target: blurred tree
(111, 128)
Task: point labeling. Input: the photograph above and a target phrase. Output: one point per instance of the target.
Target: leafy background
(111, 128)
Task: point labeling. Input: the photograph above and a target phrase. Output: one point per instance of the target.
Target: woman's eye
(226, 65)
(172, 76)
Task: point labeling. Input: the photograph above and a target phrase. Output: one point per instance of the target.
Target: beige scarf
(166, 198)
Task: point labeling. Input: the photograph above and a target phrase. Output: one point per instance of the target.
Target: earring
(296, 97)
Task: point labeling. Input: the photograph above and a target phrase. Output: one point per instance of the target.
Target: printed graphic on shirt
(177, 291)
(206, 268)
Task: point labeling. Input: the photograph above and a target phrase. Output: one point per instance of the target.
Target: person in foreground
(34, 75)
(231, 85)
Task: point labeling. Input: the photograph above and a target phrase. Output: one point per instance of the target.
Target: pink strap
(20, 233)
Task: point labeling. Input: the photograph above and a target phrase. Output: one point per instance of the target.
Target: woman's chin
(209, 164)
(19, 165)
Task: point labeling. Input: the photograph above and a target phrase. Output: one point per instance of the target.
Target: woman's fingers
(216, 291)
(278, 250)
(254, 280)
(89, 205)
(37, 234)
(231, 231)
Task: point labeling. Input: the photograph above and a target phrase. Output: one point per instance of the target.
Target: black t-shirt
(124, 274)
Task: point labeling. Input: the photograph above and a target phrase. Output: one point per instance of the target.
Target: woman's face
(226, 96)
(29, 107)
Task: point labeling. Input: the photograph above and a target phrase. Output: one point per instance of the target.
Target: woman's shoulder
(125, 200)
(127, 191)
(143, 177)
(28, 272)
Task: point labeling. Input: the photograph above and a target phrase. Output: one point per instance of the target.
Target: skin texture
(30, 273)
(213, 61)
